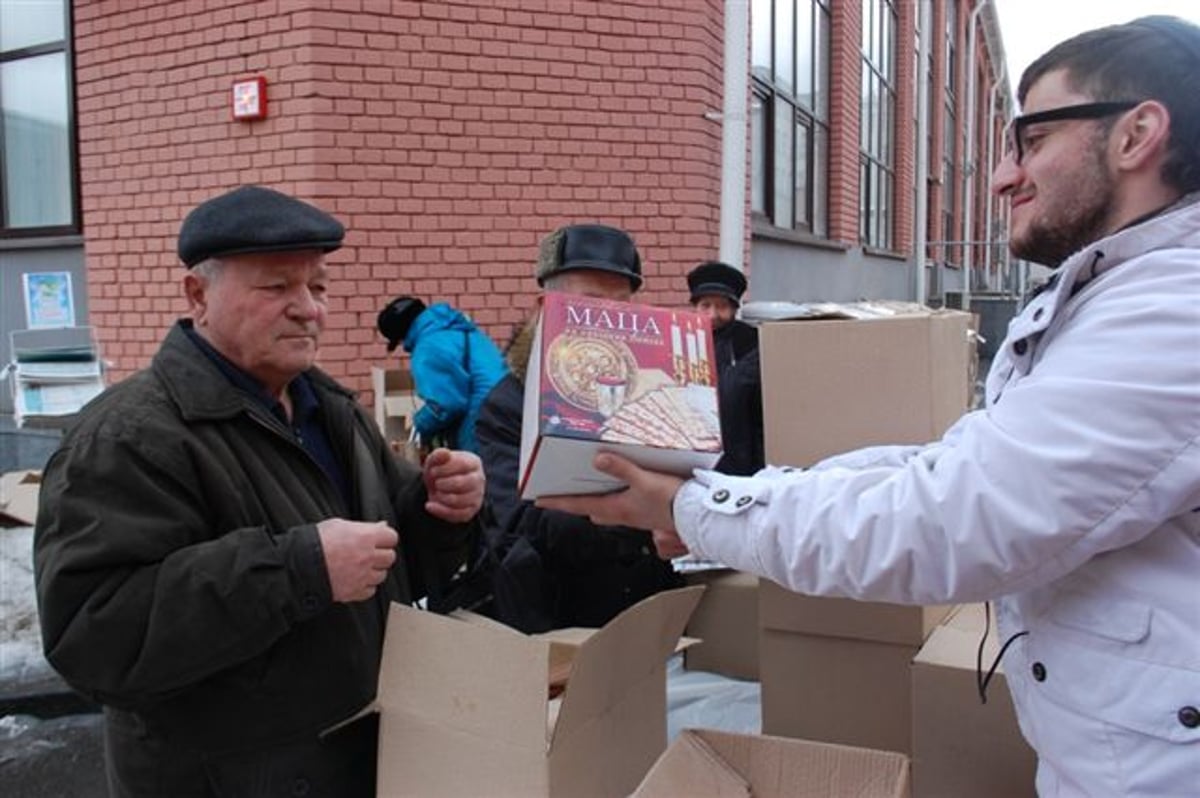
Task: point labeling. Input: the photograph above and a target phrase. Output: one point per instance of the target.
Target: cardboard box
(961, 746)
(702, 763)
(725, 624)
(634, 379)
(19, 497)
(465, 708)
(838, 670)
(830, 386)
(396, 402)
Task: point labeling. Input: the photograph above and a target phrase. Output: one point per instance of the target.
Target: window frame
(877, 124)
(807, 211)
(63, 45)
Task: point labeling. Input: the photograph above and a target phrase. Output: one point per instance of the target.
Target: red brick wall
(905, 137)
(447, 136)
(845, 91)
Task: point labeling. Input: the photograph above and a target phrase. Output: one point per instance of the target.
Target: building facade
(450, 135)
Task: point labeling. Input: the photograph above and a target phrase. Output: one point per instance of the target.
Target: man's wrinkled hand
(358, 555)
(645, 503)
(455, 483)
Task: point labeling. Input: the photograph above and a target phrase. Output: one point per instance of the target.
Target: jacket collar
(1177, 225)
(198, 387)
(1173, 226)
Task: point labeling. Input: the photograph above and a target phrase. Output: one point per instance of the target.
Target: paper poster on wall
(48, 300)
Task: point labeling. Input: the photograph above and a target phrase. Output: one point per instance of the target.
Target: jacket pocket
(1098, 659)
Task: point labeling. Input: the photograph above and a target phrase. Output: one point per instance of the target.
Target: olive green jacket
(179, 573)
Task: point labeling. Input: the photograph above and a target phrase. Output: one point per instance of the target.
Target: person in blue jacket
(454, 366)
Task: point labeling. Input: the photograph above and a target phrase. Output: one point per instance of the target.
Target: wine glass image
(611, 390)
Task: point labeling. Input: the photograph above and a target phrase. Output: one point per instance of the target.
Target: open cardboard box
(19, 497)
(465, 708)
(703, 763)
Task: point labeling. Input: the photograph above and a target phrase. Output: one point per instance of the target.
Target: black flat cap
(397, 317)
(255, 219)
(716, 279)
(589, 246)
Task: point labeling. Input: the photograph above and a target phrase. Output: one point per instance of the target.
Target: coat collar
(197, 386)
(1178, 225)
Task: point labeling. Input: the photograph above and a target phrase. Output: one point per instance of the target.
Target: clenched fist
(357, 556)
(454, 482)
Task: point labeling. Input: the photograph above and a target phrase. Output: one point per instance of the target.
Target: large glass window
(877, 167)
(950, 138)
(789, 123)
(37, 172)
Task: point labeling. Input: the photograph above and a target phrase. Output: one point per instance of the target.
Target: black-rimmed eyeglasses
(1014, 136)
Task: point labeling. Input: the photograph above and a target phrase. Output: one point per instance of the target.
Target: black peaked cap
(716, 278)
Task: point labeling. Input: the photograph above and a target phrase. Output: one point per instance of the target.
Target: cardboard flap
(630, 648)
(955, 643)
(480, 680)
(690, 767)
(19, 497)
(777, 767)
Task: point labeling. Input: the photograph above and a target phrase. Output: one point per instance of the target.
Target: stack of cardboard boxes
(879, 676)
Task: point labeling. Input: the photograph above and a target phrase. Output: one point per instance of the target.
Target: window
(877, 151)
(949, 139)
(789, 122)
(37, 137)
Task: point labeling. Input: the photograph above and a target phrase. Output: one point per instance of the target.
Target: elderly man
(716, 290)
(1073, 496)
(220, 535)
(553, 569)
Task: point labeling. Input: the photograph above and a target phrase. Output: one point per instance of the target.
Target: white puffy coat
(1073, 497)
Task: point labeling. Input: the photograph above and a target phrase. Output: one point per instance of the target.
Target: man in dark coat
(552, 569)
(216, 545)
(716, 290)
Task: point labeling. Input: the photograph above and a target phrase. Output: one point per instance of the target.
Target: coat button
(1190, 717)
(743, 501)
(300, 787)
(720, 496)
(1039, 671)
(310, 603)
(1020, 346)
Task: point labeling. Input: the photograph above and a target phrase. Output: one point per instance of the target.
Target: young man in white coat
(1073, 497)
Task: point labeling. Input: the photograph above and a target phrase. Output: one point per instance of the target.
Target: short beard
(1078, 221)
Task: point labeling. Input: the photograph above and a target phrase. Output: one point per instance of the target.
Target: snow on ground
(21, 660)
